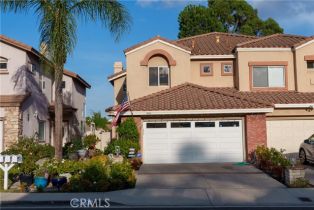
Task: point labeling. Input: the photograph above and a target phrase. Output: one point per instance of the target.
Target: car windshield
(311, 138)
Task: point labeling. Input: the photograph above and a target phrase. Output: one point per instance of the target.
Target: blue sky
(96, 49)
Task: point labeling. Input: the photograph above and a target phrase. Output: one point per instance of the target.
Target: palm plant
(58, 35)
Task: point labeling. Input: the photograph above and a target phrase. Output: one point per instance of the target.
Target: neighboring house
(215, 97)
(27, 96)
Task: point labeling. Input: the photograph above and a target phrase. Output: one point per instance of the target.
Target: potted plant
(27, 169)
(70, 151)
(58, 181)
(41, 178)
(90, 142)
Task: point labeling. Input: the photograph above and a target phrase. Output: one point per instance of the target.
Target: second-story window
(3, 64)
(310, 65)
(207, 69)
(226, 69)
(268, 77)
(158, 76)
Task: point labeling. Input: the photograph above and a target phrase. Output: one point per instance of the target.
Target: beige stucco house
(215, 97)
(27, 96)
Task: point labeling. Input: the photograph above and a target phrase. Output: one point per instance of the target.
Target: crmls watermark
(90, 203)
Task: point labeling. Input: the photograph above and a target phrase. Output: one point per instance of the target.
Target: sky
(96, 50)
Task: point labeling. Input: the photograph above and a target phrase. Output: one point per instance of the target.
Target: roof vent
(217, 39)
(193, 44)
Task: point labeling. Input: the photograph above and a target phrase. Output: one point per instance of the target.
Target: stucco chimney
(117, 67)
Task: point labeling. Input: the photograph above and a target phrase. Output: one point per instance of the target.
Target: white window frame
(265, 66)
(32, 67)
(158, 75)
(4, 60)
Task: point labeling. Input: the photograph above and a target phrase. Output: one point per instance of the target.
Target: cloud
(168, 3)
(292, 15)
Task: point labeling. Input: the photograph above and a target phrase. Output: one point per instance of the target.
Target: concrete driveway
(204, 176)
(309, 172)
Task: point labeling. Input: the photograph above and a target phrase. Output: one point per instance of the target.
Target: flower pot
(40, 182)
(58, 182)
(81, 153)
(28, 179)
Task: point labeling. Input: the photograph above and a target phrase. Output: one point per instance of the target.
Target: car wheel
(302, 156)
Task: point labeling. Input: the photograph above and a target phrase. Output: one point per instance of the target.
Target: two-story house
(215, 97)
(27, 96)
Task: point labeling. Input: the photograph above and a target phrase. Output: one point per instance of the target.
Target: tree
(197, 19)
(235, 16)
(58, 34)
(100, 122)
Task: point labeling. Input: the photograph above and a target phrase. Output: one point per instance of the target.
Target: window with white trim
(3, 64)
(268, 77)
(159, 76)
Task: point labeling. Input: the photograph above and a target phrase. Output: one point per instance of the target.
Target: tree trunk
(58, 113)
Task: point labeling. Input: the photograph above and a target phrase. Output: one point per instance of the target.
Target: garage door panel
(193, 144)
(288, 134)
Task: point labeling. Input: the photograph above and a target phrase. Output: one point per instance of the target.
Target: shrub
(31, 152)
(55, 167)
(90, 141)
(124, 145)
(128, 130)
(72, 146)
(99, 175)
(272, 156)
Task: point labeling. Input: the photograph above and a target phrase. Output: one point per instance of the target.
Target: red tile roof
(275, 40)
(206, 44)
(189, 96)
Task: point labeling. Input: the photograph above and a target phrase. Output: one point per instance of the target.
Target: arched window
(159, 71)
(3, 64)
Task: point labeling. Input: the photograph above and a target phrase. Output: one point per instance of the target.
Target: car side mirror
(306, 141)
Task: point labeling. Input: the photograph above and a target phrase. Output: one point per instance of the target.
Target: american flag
(122, 107)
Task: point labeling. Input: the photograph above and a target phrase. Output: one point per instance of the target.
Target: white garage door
(288, 134)
(193, 142)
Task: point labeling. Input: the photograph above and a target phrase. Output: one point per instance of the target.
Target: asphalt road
(161, 207)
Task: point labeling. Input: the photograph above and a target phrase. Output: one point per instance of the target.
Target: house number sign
(6, 163)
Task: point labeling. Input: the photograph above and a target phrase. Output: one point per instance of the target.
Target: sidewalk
(178, 197)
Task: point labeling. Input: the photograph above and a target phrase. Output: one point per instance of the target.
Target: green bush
(99, 175)
(90, 141)
(124, 145)
(121, 176)
(31, 152)
(72, 147)
(128, 130)
(55, 167)
(272, 156)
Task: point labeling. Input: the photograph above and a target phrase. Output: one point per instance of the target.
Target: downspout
(295, 69)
